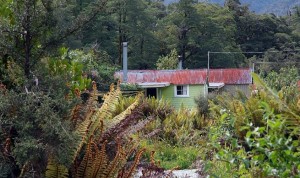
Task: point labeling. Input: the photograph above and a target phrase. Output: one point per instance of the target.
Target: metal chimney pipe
(180, 62)
(125, 62)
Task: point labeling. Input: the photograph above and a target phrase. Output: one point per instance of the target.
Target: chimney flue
(125, 62)
(180, 62)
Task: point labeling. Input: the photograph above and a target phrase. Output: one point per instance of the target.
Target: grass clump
(171, 157)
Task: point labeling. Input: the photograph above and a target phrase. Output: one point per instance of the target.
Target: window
(181, 91)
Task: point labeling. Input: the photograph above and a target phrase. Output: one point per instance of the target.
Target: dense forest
(57, 58)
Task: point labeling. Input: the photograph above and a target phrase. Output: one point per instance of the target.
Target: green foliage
(216, 33)
(71, 66)
(54, 170)
(32, 126)
(257, 137)
(171, 157)
(286, 77)
(175, 127)
(128, 86)
(134, 21)
(23, 25)
(183, 127)
(100, 123)
(203, 103)
(171, 134)
(79, 68)
(14, 74)
(168, 62)
(217, 168)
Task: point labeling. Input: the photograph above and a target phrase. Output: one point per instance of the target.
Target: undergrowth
(171, 157)
(256, 137)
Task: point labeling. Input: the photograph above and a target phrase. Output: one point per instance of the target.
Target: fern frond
(84, 166)
(139, 126)
(98, 123)
(94, 117)
(121, 116)
(106, 111)
(135, 163)
(125, 122)
(55, 170)
(259, 82)
(82, 132)
(112, 168)
(75, 114)
(100, 162)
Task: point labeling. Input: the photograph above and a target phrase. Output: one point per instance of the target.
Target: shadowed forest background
(58, 57)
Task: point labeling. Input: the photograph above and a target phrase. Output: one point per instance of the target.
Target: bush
(285, 77)
(258, 136)
(33, 125)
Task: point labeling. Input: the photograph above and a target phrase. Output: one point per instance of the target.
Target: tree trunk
(27, 39)
(27, 55)
(183, 41)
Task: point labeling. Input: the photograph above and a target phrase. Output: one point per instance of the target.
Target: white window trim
(184, 96)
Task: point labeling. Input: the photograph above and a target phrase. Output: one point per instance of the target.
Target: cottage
(183, 86)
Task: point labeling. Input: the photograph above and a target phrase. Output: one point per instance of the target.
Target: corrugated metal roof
(194, 76)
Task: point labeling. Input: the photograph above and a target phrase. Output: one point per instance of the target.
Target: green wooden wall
(189, 102)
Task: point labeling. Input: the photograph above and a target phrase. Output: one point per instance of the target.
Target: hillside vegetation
(62, 114)
(277, 7)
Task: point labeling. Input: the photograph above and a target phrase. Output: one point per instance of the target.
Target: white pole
(125, 62)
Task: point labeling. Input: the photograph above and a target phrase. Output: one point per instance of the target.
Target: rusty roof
(183, 77)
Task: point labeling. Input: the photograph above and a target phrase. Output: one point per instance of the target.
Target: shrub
(32, 126)
(258, 136)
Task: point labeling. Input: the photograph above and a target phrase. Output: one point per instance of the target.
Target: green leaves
(72, 66)
(5, 11)
(269, 146)
(168, 62)
(286, 77)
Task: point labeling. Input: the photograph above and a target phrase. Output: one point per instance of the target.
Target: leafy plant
(183, 127)
(71, 66)
(168, 62)
(286, 77)
(258, 136)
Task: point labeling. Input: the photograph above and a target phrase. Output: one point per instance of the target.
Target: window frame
(187, 91)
